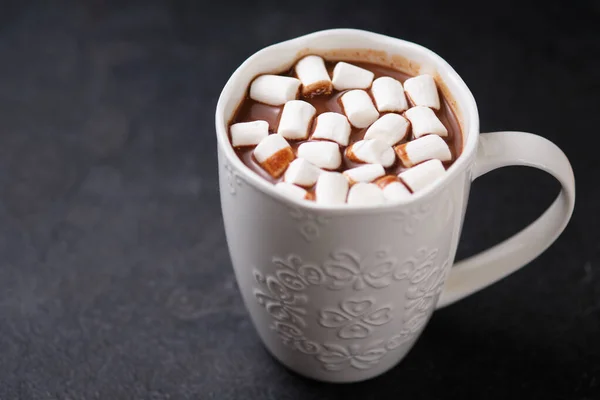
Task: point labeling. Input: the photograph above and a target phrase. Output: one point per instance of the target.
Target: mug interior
(350, 45)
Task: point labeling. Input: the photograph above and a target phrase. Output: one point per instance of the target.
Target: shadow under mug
(341, 294)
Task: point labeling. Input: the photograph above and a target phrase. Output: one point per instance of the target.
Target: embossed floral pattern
(409, 219)
(347, 268)
(398, 340)
(421, 297)
(355, 318)
(336, 357)
(297, 275)
(281, 294)
(426, 277)
(279, 302)
(293, 337)
(233, 178)
(309, 225)
(416, 268)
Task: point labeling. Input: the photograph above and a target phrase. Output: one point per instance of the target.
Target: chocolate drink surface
(324, 102)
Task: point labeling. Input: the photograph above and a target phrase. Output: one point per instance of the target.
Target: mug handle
(501, 149)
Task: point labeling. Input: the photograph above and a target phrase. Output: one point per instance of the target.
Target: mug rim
(466, 100)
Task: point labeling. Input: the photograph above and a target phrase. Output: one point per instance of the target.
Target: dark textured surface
(115, 282)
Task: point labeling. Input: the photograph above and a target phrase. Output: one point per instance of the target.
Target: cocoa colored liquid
(251, 110)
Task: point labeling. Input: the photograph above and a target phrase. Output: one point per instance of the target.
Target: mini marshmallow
(274, 154)
(364, 173)
(371, 151)
(292, 191)
(396, 191)
(365, 194)
(422, 91)
(359, 108)
(332, 126)
(302, 173)
(389, 95)
(295, 119)
(347, 76)
(331, 189)
(393, 189)
(391, 128)
(424, 121)
(425, 148)
(422, 175)
(274, 90)
(322, 154)
(249, 133)
(314, 76)
(386, 180)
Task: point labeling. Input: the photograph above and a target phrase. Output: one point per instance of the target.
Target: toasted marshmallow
(422, 149)
(295, 119)
(322, 154)
(371, 151)
(393, 189)
(423, 91)
(314, 76)
(331, 189)
(347, 76)
(364, 173)
(359, 108)
(365, 194)
(292, 191)
(389, 95)
(422, 175)
(274, 154)
(248, 133)
(386, 180)
(424, 121)
(332, 126)
(302, 173)
(274, 90)
(390, 128)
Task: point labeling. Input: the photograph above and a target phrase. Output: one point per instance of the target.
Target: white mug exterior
(341, 294)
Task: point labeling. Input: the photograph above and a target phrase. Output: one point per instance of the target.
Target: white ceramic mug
(341, 294)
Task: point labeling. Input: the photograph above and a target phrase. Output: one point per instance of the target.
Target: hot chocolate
(380, 127)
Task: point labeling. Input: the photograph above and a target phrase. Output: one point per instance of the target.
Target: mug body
(341, 294)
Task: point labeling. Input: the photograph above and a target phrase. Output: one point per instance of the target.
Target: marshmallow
(393, 189)
(248, 133)
(422, 149)
(292, 191)
(424, 121)
(331, 189)
(422, 175)
(364, 173)
(389, 95)
(396, 191)
(371, 151)
(295, 119)
(314, 76)
(391, 128)
(422, 91)
(386, 180)
(302, 173)
(322, 154)
(332, 126)
(274, 90)
(365, 194)
(274, 154)
(347, 76)
(359, 108)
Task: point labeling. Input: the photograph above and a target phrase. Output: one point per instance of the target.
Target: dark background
(115, 282)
